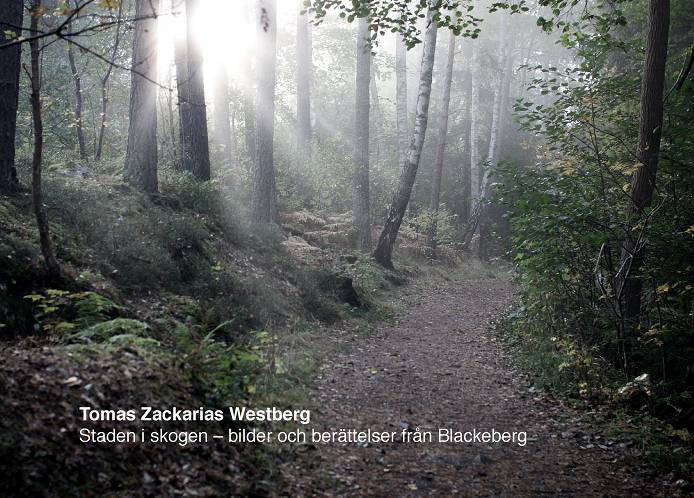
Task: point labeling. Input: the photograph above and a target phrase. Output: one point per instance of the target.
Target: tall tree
(303, 81)
(494, 125)
(504, 56)
(263, 194)
(141, 153)
(474, 122)
(181, 64)
(644, 180)
(375, 114)
(10, 24)
(221, 117)
(401, 99)
(104, 80)
(50, 260)
(501, 90)
(417, 55)
(248, 104)
(384, 250)
(360, 186)
(465, 174)
(195, 150)
(77, 82)
(443, 132)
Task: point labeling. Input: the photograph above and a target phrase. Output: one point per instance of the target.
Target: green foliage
(320, 183)
(229, 371)
(116, 330)
(442, 221)
(129, 237)
(665, 447)
(567, 218)
(60, 311)
(457, 16)
(368, 278)
(192, 194)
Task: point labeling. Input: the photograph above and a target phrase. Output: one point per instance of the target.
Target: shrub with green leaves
(568, 219)
(60, 311)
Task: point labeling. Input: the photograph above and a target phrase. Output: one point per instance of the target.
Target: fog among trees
(215, 200)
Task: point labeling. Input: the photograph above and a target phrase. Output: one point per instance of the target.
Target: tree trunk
(10, 17)
(141, 153)
(401, 100)
(441, 148)
(375, 116)
(248, 105)
(196, 156)
(474, 124)
(104, 86)
(172, 143)
(465, 174)
(643, 181)
(180, 61)
(303, 83)
(264, 195)
(494, 126)
(51, 262)
(498, 112)
(222, 120)
(506, 112)
(360, 187)
(417, 52)
(384, 250)
(77, 81)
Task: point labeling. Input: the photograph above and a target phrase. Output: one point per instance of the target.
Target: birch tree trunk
(141, 154)
(504, 57)
(643, 182)
(303, 82)
(494, 127)
(441, 148)
(263, 194)
(50, 260)
(11, 13)
(417, 52)
(360, 158)
(384, 250)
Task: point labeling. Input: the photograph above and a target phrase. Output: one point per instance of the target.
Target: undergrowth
(561, 365)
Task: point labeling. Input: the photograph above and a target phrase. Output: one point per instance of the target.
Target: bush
(443, 220)
(105, 331)
(567, 219)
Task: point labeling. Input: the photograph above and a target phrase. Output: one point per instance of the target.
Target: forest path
(440, 365)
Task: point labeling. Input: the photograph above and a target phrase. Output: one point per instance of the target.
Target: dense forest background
(193, 177)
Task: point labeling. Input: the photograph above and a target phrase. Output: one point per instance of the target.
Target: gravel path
(440, 365)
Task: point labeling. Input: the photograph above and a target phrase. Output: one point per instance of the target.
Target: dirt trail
(440, 365)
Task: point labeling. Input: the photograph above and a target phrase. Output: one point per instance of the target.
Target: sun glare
(224, 30)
